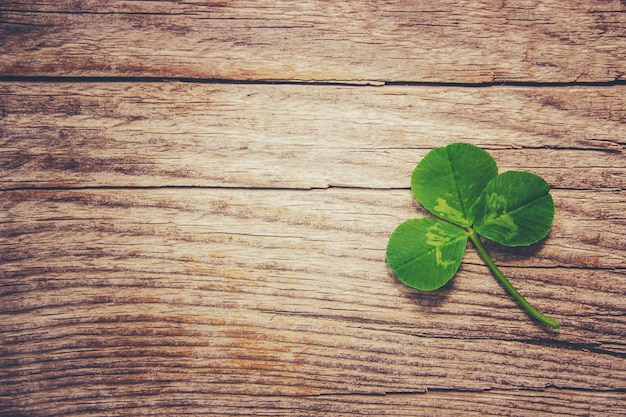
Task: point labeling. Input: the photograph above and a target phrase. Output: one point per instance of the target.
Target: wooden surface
(182, 235)
(356, 41)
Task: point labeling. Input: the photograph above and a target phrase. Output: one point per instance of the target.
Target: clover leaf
(449, 181)
(426, 253)
(460, 184)
(515, 209)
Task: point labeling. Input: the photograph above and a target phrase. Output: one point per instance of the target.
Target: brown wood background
(196, 197)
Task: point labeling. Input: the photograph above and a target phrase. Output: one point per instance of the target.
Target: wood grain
(215, 245)
(282, 293)
(293, 136)
(358, 41)
(216, 248)
(548, 402)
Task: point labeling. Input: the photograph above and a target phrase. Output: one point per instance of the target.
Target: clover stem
(536, 314)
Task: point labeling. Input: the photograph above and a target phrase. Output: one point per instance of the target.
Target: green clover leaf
(515, 209)
(460, 184)
(449, 181)
(426, 253)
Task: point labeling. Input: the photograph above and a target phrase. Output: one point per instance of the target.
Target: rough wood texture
(163, 134)
(217, 248)
(261, 289)
(355, 41)
(287, 293)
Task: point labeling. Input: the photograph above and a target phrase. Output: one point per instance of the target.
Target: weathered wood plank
(548, 403)
(289, 136)
(255, 282)
(154, 296)
(357, 41)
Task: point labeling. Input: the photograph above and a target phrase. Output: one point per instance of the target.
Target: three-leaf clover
(460, 184)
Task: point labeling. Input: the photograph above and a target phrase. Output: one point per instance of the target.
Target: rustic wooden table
(196, 197)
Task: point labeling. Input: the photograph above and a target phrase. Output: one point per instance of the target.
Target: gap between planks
(338, 83)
